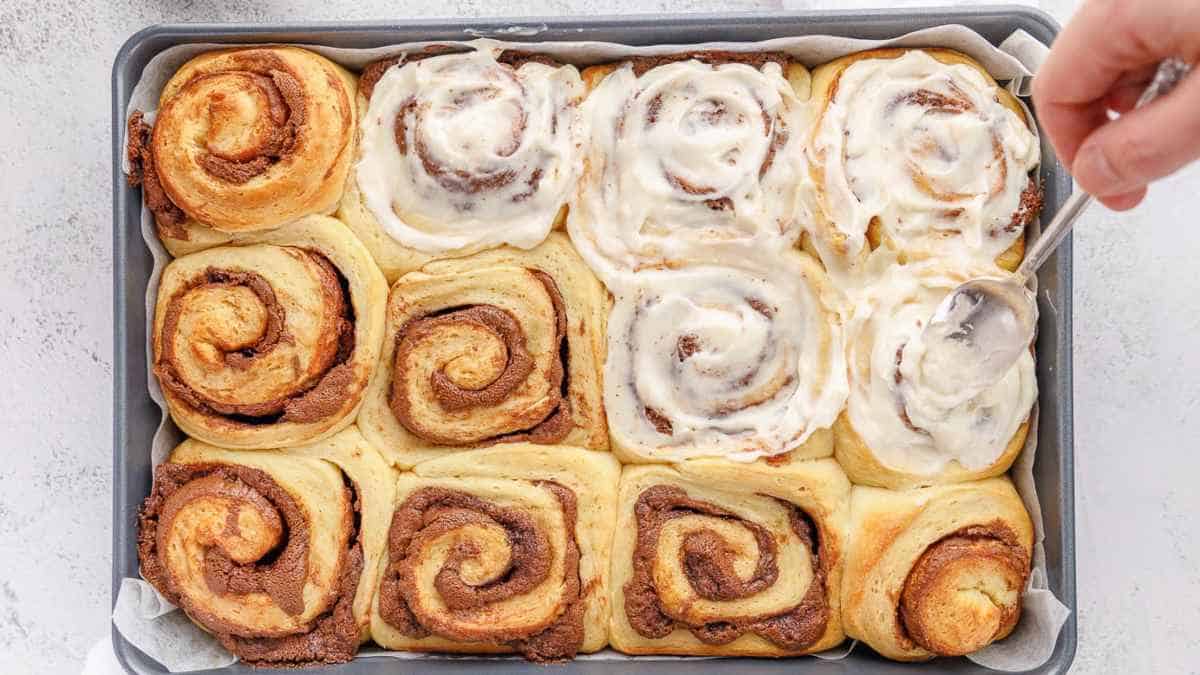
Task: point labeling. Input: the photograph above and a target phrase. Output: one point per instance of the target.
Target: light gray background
(1137, 315)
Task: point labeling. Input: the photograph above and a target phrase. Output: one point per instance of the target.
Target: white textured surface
(1137, 371)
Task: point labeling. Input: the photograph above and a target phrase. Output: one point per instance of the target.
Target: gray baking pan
(136, 416)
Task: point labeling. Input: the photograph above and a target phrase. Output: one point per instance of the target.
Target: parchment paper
(153, 625)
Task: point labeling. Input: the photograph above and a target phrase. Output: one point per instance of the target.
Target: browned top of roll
(707, 562)
(955, 565)
(430, 513)
(507, 329)
(309, 399)
(331, 638)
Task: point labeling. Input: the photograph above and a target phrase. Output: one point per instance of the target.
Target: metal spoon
(981, 328)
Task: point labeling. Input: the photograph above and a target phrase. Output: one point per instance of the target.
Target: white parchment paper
(153, 625)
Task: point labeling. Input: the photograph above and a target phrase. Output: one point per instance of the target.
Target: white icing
(675, 175)
(972, 427)
(756, 385)
(477, 120)
(973, 153)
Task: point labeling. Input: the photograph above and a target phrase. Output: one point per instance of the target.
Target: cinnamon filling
(993, 545)
(310, 399)
(505, 328)
(708, 564)
(432, 513)
(642, 64)
(715, 114)
(168, 217)
(331, 637)
(284, 95)
(412, 117)
(1027, 211)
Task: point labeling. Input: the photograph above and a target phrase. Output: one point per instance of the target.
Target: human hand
(1102, 61)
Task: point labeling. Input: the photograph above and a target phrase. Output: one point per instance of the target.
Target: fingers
(1121, 157)
(1124, 202)
(1106, 49)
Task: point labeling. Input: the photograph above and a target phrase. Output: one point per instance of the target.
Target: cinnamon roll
(244, 140)
(904, 423)
(275, 552)
(462, 152)
(935, 571)
(269, 343)
(719, 558)
(501, 550)
(715, 361)
(499, 347)
(691, 161)
(919, 150)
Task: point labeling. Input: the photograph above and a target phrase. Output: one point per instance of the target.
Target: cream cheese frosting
(460, 153)
(714, 361)
(904, 406)
(689, 163)
(928, 149)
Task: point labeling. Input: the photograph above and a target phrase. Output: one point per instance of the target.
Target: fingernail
(1095, 173)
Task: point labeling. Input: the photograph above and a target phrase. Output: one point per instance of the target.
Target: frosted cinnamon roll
(718, 558)
(498, 347)
(275, 552)
(922, 152)
(269, 343)
(690, 162)
(461, 152)
(935, 571)
(905, 422)
(244, 140)
(501, 550)
(715, 361)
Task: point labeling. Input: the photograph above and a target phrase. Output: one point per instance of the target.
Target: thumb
(1120, 158)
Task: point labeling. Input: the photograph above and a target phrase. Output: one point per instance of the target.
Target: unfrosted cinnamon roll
(935, 571)
(275, 552)
(499, 347)
(500, 550)
(906, 424)
(691, 161)
(922, 152)
(715, 361)
(719, 558)
(269, 343)
(244, 140)
(462, 152)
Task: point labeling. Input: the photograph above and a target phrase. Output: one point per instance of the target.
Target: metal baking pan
(136, 416)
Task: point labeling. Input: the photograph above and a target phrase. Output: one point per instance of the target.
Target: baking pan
(136, 416)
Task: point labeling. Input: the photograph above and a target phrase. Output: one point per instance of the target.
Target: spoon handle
(1169, 73)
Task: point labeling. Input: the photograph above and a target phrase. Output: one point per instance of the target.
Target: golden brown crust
(718, 558)
(500, 550)
(232, 544)
(863, 468)
(270, 343)
(500, 347)
(244, 140)
(935, 571)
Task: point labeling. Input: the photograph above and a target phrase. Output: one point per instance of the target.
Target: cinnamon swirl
(500, 550)
(691, 161)
(269, 343)
(904, 426)
(502, 346)
(275, 552)
(720, 558)
(244, 140)
(462, 152)
(919, 150)
(935, 571)
(714, 361)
